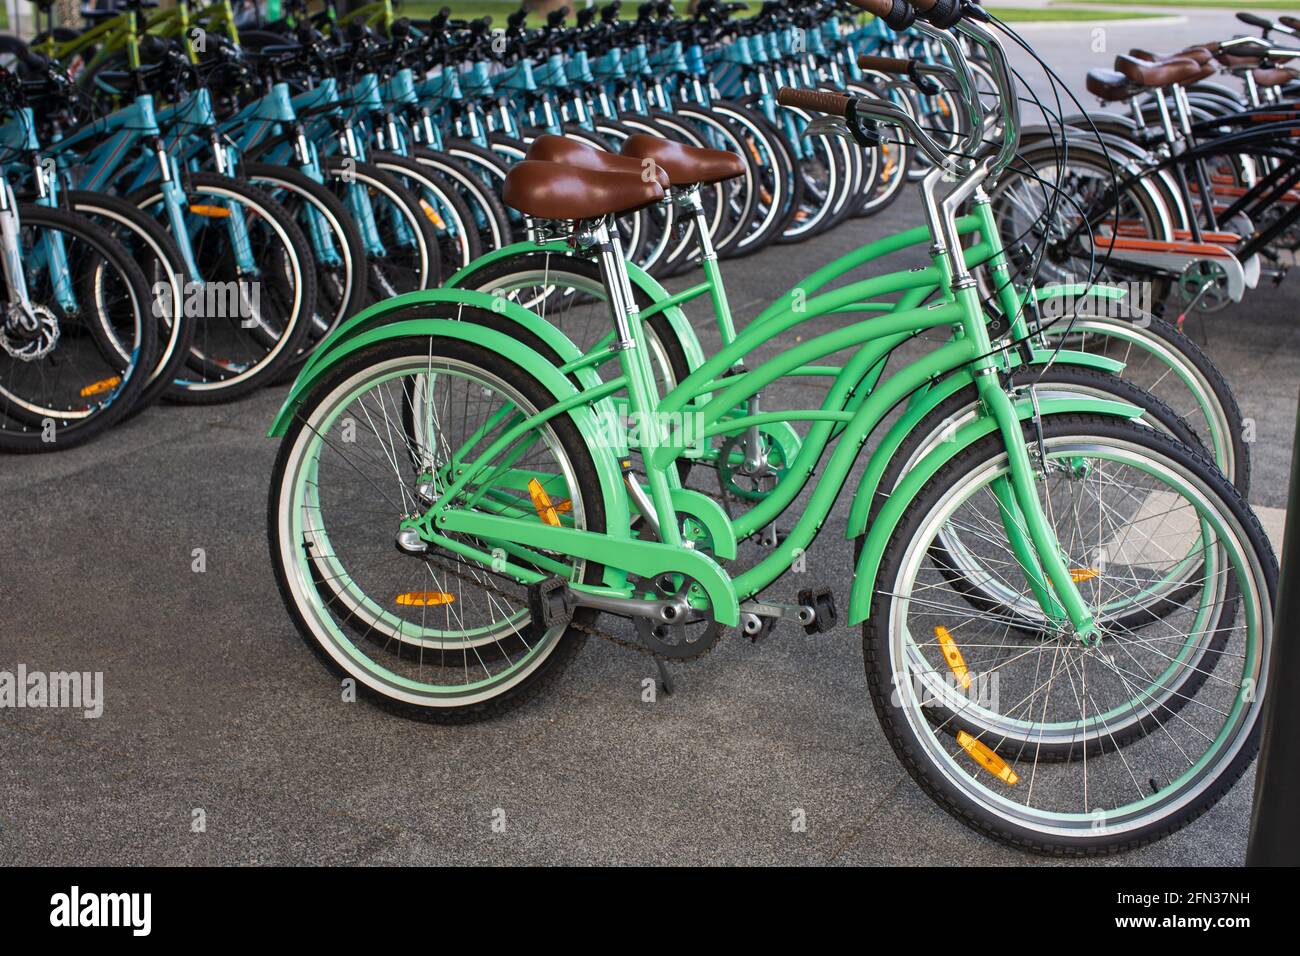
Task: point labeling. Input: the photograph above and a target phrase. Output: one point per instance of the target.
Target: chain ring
(1192, 282)
(685, 640)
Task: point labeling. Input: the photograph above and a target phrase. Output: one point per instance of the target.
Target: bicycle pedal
(822, 601)
(549, 602)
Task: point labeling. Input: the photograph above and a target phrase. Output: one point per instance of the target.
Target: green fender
(1042, 293)
(712, 519)
(924, 402)
(677, 319)
(382, 313)
(873, 548)
(618, 519)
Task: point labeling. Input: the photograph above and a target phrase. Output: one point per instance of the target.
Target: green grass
(1066, 14)
(1286, 6)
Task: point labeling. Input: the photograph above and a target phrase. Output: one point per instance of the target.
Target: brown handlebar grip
(837, 104)
(880, 8)
(884, 64)
(1289, 22)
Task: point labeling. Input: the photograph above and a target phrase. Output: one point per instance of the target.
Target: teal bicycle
(1065, 613)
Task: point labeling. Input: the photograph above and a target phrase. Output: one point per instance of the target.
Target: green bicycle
(1065, 612)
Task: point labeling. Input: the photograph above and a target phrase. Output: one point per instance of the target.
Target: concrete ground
(215, 711)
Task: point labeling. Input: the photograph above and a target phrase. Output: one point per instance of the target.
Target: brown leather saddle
(546, 190)
(685, 165)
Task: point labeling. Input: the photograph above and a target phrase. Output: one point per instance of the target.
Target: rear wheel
(440, 637)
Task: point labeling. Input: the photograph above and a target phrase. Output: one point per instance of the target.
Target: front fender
(641, 279)
(878, 535)
(922, 404)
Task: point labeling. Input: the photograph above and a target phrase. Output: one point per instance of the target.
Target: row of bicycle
(1065, 599)
(266, 183)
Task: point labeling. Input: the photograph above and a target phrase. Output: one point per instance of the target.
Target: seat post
(689, 198)
(642, 393)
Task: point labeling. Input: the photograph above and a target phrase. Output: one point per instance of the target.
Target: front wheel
(1033, 736)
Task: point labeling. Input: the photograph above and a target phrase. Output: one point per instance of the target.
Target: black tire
(422, 267)
(341, 290)
(31, 429)
(207, 381)
(567, 646)
(154, 250)
(454, 251)
(494, 224)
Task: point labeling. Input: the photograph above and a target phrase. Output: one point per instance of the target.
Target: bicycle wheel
(489, 213)
(333, 237)
(401, 244)
(74, 363)
(440, 637)
(253, 309)
(453, 223)
(1040, 740)
(1162, 360)
(149, 246)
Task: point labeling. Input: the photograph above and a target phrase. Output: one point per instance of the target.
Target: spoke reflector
(432, 215)
(987, 759)
(210, 212)
(952, 654)
(425, 598)
(102, 386)
(547, 511)
(1079, 575)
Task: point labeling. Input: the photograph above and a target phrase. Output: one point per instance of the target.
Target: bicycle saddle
(1272, 77)
(1156, 75)
(560, 191)
(1196, 53)
(549, 148)
(685, 165)
(1109, 85)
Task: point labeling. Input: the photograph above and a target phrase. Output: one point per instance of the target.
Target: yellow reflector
(1079, 575)
(986, 758)
(425, 598)
(564, 506)
(433, 215)
(102, 386)
(211, 212)
(952, 654)
(542, 502)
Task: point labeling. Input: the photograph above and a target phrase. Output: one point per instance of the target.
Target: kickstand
(665, 682)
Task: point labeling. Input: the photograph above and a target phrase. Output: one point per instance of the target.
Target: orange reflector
(986, 758)
(432, 214)
(1079, 575)
(564, 506)
(952, 654)
(425, 598)
(542, 502)
(753, 150)
(211, 212)
(102, 386)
